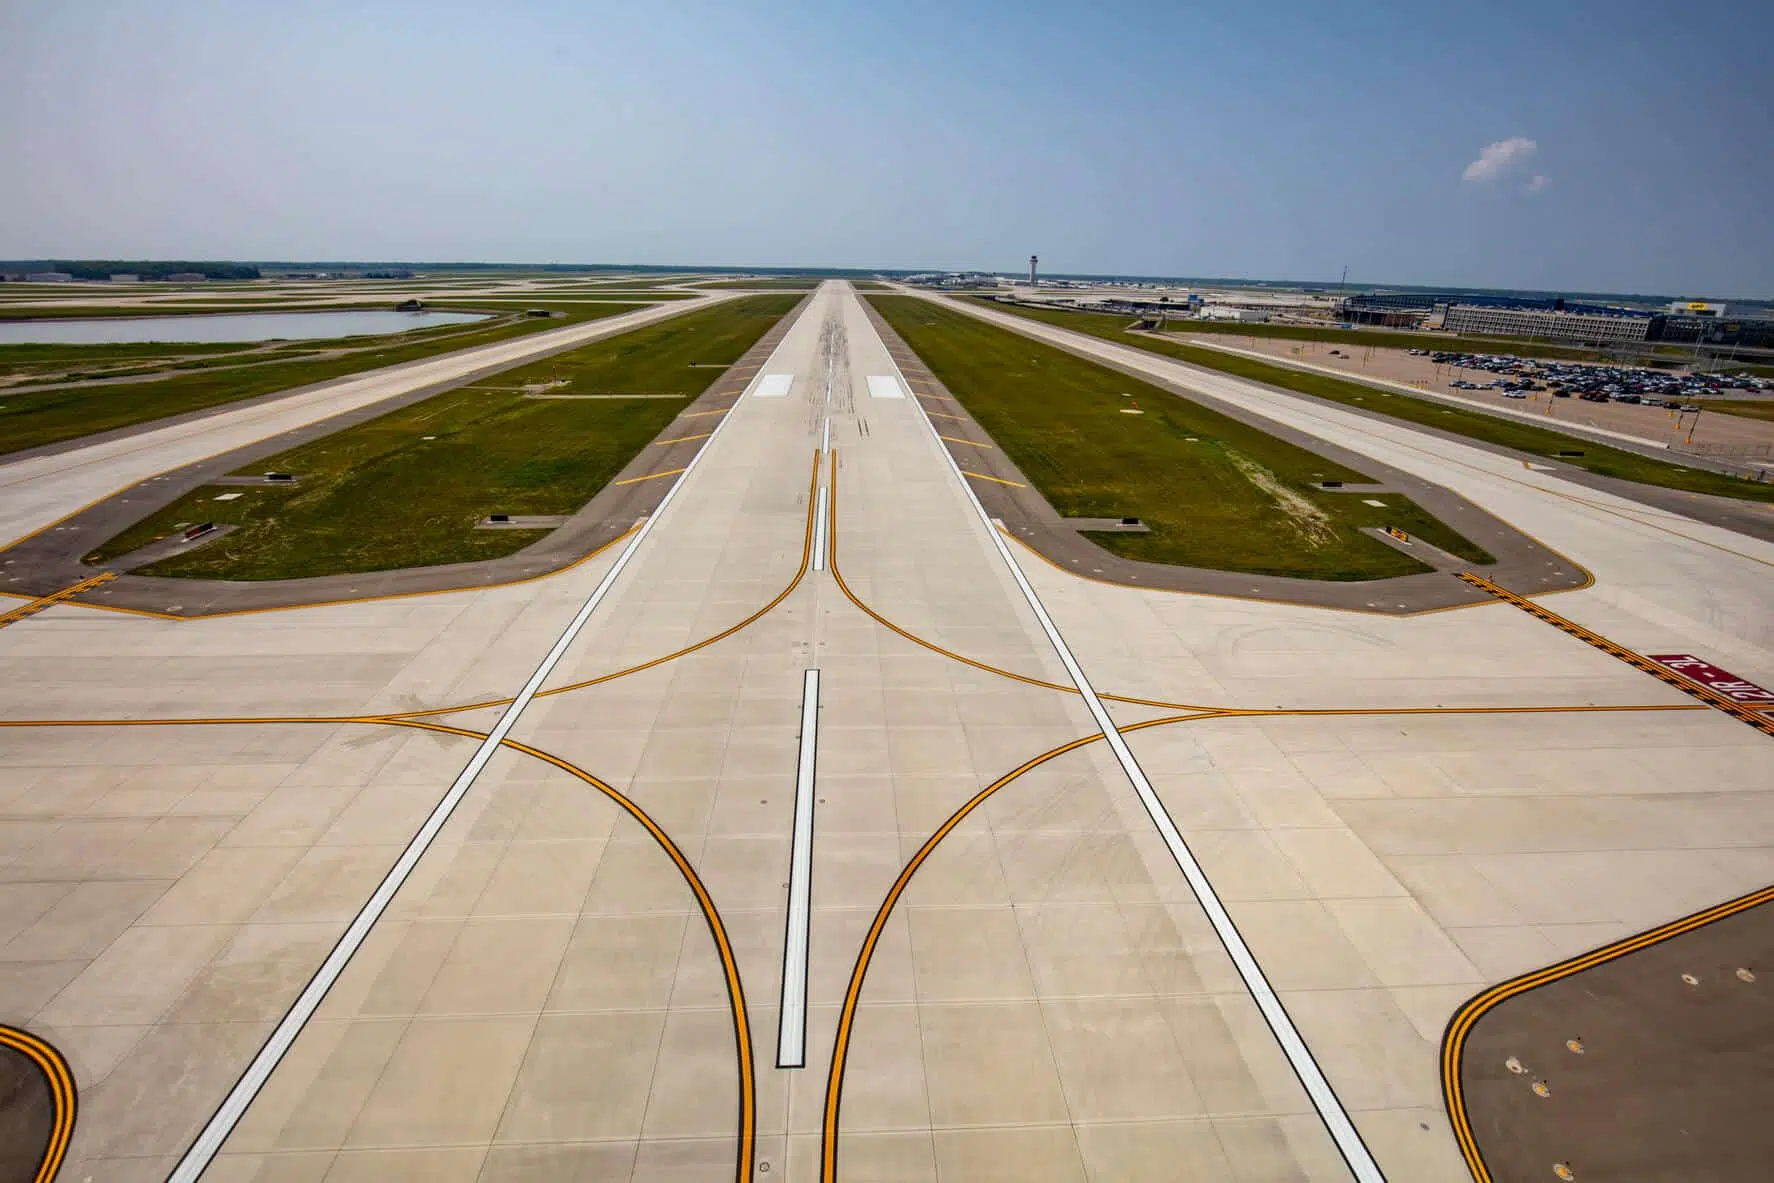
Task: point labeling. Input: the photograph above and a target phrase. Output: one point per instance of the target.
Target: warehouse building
(1547, 324)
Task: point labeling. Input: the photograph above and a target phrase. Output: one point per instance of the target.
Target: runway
(1083, 881)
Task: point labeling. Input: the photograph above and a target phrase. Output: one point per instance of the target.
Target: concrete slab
(1396, 811)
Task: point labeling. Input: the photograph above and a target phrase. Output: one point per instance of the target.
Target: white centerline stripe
(825, 440)
(819, 516)
(234, 1105)
(791, 1036)
(1324, 1098)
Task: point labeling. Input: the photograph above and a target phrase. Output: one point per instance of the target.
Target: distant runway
(819, 830)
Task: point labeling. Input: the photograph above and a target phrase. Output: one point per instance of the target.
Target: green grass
(1745, 408)
(762, 285)
(1377, 337)
(381, 496)
(1523, 437)
(1196, 477)
(32, 419)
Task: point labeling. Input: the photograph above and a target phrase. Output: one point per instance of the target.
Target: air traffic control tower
(1033, 259)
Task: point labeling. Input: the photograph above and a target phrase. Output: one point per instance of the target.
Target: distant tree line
(144, 268)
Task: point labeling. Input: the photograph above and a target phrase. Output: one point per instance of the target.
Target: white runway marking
(819, 516)
(774, 386)
(791, 1036)
(886, 386)
(825, 436)
(1324, 1099)
(197, 1159)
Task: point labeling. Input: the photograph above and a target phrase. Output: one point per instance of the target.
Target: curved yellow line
(1453, 1043)
(831, 563)
(62, 1094)
(806, 559)
(704, 901)
(834, 1088)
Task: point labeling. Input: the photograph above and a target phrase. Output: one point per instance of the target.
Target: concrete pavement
(583, 974)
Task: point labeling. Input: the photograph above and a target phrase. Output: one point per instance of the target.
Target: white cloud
(1539, 182)
(1500, 159)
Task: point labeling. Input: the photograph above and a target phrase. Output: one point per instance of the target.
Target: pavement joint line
(791, 1036)
(41, 602)
(800, 573)
(1453, 1043)
(203, 1150)
(1312, 409)
(1638, 661)
(1324, 1098)
(606, 327)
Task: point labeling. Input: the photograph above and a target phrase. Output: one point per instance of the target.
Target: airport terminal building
(1551, 324)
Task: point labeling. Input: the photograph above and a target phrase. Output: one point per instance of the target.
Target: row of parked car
(1621, 384)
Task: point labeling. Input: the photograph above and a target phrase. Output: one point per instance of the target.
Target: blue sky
(1273, 140)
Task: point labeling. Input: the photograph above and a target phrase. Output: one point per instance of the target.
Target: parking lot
(1709, 430)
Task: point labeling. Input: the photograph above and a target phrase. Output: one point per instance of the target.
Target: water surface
(230, 326)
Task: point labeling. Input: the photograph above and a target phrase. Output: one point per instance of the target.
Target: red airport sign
(1712, 677)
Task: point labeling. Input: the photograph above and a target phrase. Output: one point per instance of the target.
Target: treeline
(144, 268)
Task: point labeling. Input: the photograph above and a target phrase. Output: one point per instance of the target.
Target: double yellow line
(61, 1095)
(57, 1070)
(1453, 1042)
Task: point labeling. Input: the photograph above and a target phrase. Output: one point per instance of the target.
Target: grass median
(30, 419)
(1216, 493)
(407, 489)
(1491, 429)
(1744, 408)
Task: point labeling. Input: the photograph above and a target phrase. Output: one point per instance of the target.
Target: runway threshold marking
(980, 476)
(31, 608)
(1638, 661)
(64, 1098)
(791, 1035)
(215, 1132)
(1453, 1042)
(1318, 1089)
(653, 476)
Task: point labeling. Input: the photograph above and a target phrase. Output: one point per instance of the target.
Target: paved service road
(38, 490)
(1029, 953)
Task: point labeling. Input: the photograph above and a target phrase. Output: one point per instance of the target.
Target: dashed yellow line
(980, 476)
(55, 597)
(682, 439)
(652, 476)
(1638, 661)
(945, 415)
(699, 414)
(969, 443)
